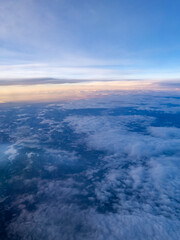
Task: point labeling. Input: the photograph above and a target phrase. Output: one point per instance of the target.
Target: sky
(78, 39)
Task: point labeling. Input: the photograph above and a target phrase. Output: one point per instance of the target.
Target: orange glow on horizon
(55, 92)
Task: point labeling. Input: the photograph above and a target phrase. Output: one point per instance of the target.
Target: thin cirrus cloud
(86, 69)
(89, 39)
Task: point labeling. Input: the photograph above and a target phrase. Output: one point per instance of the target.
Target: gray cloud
(35, 81)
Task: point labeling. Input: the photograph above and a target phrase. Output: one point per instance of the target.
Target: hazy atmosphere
(89, 120)
(89, 39)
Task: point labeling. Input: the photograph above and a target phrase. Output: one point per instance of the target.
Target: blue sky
(118, 39)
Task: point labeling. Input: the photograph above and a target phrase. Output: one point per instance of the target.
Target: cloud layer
(100, 168)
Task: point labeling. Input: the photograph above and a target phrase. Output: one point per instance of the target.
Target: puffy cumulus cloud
(60, 156)
(55, 214)
(142, 100)
(96, 171)
(104, 122)
(76, 224)
(58, 219)
(11, 152)
(165, 132)
(113, 135)
(140, 171)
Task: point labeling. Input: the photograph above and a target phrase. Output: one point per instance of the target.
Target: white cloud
(128, 191)
(11, 152)
(121, 140)
(56, 219)
(165, 132)
(141, 170)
